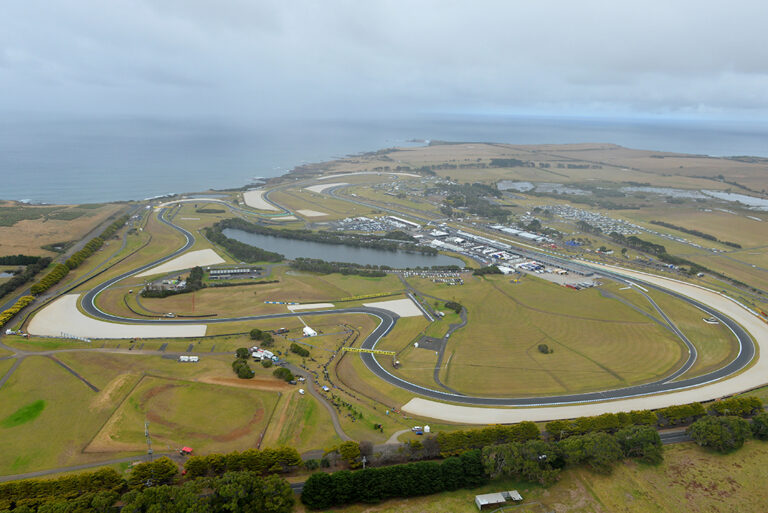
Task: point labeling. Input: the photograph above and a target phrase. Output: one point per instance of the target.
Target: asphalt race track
(388, 320)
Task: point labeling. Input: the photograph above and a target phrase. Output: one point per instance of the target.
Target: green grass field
(52, 437)
(598, 342)
(205, 416)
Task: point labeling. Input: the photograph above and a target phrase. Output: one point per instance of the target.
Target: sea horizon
(93, 160)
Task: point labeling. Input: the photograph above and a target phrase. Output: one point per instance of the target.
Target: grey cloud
(250, 58)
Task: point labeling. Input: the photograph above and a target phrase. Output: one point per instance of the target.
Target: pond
(292, 248)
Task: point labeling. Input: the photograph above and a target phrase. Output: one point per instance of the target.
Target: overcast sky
(250, 59)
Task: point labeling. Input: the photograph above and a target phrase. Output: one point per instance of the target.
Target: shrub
(19, 305)
(322, 491)
(680, 414)
(162, 471)
(760, 426)
(534, 461)
(266, 363)
(282, 459)
(283, 373)
(242, 369)
(598, 450)
(742, 406)
(453, 305)
(544, 348)
(641, 442)
(301, 351)
(457, 442)
(723, 434)
(350, 452)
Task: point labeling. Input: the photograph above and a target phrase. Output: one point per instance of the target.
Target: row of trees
(239, 250)
(96, 243)
(607, 422)
(19, 259)
(321, 266)
(61, 270)
(194, 282)
(385, 242)
(408, 480)
(301, 351)
(17, 307)
(53, 277)
(482, 271)
(542, 461)
(32, 493)
(26, 275)
(727, 433)
(675, 415)
(697, 233)
(457, 442)
(262, 462)
(151, 488)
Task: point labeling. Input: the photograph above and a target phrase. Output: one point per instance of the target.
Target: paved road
(388, 320)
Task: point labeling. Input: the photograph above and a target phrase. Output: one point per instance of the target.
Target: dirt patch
(107, 395)
(267, 384)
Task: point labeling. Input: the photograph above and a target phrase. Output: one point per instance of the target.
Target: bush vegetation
(372, 485)
(723, 434)
(301, 351)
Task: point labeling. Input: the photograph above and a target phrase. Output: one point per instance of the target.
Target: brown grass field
(27, 236)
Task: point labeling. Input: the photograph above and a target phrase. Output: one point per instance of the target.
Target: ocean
(98, 160)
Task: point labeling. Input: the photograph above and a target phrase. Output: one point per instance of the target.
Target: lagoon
(292, 248)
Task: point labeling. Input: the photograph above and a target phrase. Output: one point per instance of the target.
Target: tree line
(373, 485)
(19, 259)
(321, 266)
(697, 233)
(240, 250)
(61, 270)
(150, 487)
(25, 276)
(383, 242)
(17, 307)
(193, 283)
(540, 461)
(262, 462)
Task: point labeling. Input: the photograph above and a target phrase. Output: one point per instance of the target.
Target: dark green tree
(723, 434)
(641, 442)
(760, 426)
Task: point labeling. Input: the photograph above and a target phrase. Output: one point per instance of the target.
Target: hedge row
(89, 249)
(49, 280)
(60, 271)
(18, 259)
(605, 423)
(96, 243)
(457, 442)
(409, 480)
(301, 351)
(740, 406)
(23, 277)
(18, 306)
(541, 461)
(32, 493)
(671, 415)
(282, 459)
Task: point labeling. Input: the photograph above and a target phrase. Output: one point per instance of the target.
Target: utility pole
(149, 440)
